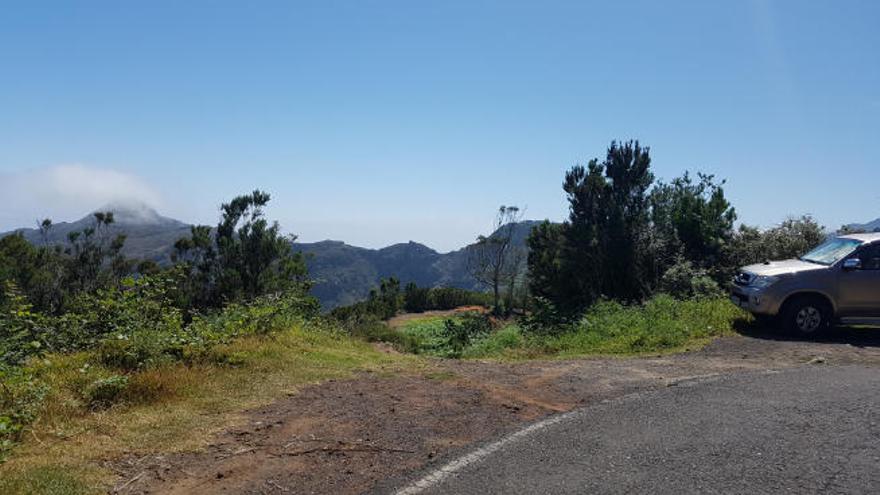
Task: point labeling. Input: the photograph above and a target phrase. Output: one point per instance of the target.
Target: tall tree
(90, 250)
(493, 260)
(605, 246)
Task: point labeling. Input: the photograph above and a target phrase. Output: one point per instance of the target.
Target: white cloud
(66, 192)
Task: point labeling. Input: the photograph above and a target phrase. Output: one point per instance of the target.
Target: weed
(105, 392)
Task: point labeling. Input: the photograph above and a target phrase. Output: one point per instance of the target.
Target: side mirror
(852, 264)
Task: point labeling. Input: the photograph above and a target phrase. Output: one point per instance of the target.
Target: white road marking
(439, 475)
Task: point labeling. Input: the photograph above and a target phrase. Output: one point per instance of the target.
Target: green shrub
(661, 323)
(138, 350)
(105, 392)
(443, 337)
(21, 397)
(546, 318)
(684, 280)
(23, 332)
(461, 332)
(608, 327)
(427, 335)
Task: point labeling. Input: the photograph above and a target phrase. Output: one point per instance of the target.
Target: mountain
(343, 274)
(150, 236)
(872, 226)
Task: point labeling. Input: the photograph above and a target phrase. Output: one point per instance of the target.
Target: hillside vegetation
(102, 356)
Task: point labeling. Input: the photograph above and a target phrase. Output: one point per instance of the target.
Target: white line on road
(438, 476)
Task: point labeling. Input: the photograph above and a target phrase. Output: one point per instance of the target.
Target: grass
(662, 324)
(170, 408)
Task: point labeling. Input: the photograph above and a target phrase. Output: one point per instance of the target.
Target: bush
(23, 332)
(462, 332)
(683, 280)
(443, 337)
(21, 397)
(140, 350)
(661, 323)
(546, 318)
(105, 392)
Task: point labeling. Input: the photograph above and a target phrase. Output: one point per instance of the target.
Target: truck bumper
(757, 301)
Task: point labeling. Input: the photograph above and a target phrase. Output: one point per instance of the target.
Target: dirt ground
(345, 437)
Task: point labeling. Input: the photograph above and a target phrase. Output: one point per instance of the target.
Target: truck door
(860, 289)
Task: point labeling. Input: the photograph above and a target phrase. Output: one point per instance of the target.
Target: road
(810, 429)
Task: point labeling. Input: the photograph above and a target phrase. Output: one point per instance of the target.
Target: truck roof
(868, 238)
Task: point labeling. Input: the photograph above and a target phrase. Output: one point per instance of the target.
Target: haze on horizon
(383, 122)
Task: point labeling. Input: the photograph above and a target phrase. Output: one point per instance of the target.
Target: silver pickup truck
(838, 280)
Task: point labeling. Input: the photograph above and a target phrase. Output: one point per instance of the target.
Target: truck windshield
(831, 251)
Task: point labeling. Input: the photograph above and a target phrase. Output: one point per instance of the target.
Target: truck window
(870, 257)
(831, 251)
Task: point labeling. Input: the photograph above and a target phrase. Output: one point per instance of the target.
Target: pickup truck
(838, 280)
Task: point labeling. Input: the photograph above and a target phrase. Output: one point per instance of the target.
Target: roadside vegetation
(661, 324)
(639, 266)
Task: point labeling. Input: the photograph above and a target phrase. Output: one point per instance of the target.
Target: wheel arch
(808, 293)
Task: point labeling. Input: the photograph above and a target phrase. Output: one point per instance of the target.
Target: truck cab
(838, 280)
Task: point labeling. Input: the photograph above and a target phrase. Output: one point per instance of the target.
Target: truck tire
(807, 316)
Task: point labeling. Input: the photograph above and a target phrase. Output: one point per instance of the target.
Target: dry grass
(171, 408)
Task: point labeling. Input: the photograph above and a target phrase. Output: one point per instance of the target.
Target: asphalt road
(807, 430)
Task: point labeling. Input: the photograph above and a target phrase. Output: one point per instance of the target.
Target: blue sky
(381, 122)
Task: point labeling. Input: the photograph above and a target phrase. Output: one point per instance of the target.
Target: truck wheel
(807, 316)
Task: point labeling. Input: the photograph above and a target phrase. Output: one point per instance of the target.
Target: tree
(605, 247)
(493, 260)
(385, 301)
(628, 256)
(90, 250)
(790, 239)
(624, 234)
(693, 222)
(416, 299)
(547, 279)
(244, 257)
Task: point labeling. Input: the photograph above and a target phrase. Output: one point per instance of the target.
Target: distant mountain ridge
(872, 226)
(150, 236)
(343, 273)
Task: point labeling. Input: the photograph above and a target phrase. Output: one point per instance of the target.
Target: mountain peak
(133, 212)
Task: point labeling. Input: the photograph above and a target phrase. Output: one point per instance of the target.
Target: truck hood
(774, 268)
